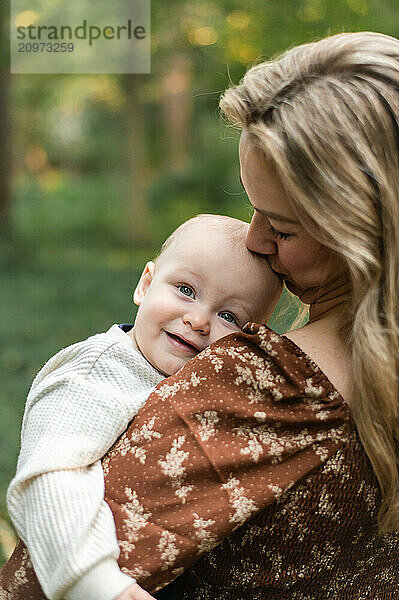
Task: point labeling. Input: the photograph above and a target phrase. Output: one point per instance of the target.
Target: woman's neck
(331, 302)
(324, 337)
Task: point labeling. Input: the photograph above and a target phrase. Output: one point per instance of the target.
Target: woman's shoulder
(304, 356)
(327, 350)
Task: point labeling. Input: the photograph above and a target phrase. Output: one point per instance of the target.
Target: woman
(310, 418)
(320, 164)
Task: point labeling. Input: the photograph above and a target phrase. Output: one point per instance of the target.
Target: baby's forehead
(198, 252)
(208, 231)
(214, 238)
(218, 257)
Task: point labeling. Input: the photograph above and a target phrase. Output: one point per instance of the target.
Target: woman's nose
(198, 320)
(259, 238)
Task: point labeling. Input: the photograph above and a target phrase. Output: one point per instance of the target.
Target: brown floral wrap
(227, 436)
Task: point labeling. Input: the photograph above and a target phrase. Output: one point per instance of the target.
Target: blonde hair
(327, 114)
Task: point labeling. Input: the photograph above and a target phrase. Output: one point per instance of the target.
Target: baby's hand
(134, 592)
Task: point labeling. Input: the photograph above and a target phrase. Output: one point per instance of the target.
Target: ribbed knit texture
(78, 405)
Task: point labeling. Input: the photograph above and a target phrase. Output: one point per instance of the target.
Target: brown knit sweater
(249, 444)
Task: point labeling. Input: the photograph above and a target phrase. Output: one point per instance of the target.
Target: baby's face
(199, 290)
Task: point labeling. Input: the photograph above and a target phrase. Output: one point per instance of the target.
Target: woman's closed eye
(279, 234)
(186, 290)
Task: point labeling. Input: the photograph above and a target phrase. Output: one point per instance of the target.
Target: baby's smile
(182, 343)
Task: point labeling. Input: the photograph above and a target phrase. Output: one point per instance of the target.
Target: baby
(203, 286)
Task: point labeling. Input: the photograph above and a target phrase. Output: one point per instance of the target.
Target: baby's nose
(198, 320)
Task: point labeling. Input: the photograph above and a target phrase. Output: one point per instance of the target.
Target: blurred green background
(96, 170)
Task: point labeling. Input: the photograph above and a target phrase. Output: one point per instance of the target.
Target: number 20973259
(46, 47)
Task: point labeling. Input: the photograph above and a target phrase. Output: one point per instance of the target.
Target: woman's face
(304, 263)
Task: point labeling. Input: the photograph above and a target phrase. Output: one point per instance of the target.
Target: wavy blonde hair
(327, 114)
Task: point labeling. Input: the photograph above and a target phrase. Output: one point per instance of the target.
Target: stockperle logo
(80, 36)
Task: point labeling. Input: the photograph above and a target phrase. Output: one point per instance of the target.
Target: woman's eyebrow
(267, 213)
(275, 216)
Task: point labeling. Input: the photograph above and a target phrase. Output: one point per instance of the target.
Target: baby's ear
(144, 283)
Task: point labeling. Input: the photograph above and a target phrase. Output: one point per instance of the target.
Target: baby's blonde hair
(327, 114)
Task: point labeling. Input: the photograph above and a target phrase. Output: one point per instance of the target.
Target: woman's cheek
(295, 257)
(302, 263)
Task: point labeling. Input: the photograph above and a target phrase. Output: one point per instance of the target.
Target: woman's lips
(182, 343)
(275, 268)
(278, 272)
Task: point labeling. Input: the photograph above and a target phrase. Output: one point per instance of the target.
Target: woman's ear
(144, 283)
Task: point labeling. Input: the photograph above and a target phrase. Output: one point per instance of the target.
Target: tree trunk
(139, 219)
(177, 111)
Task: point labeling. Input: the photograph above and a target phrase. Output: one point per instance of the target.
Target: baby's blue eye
(186, 290)
(228, 317)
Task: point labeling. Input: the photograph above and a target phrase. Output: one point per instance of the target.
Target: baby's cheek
(222, 330)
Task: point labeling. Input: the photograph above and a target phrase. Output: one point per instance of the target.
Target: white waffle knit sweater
(79, 403)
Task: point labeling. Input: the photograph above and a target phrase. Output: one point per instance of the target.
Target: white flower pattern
(243, 505)
(172, 466)
(207, 420)
(135, 519)
(168, 549)
(206, 539)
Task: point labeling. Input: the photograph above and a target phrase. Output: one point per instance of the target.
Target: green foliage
(70, 208)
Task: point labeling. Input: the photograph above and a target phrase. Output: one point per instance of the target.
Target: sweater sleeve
(79, 404)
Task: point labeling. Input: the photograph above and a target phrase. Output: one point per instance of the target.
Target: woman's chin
(305, 295)
(336, 287)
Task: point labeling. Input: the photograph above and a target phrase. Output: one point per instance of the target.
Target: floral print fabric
(318, 541)
(218, 447)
